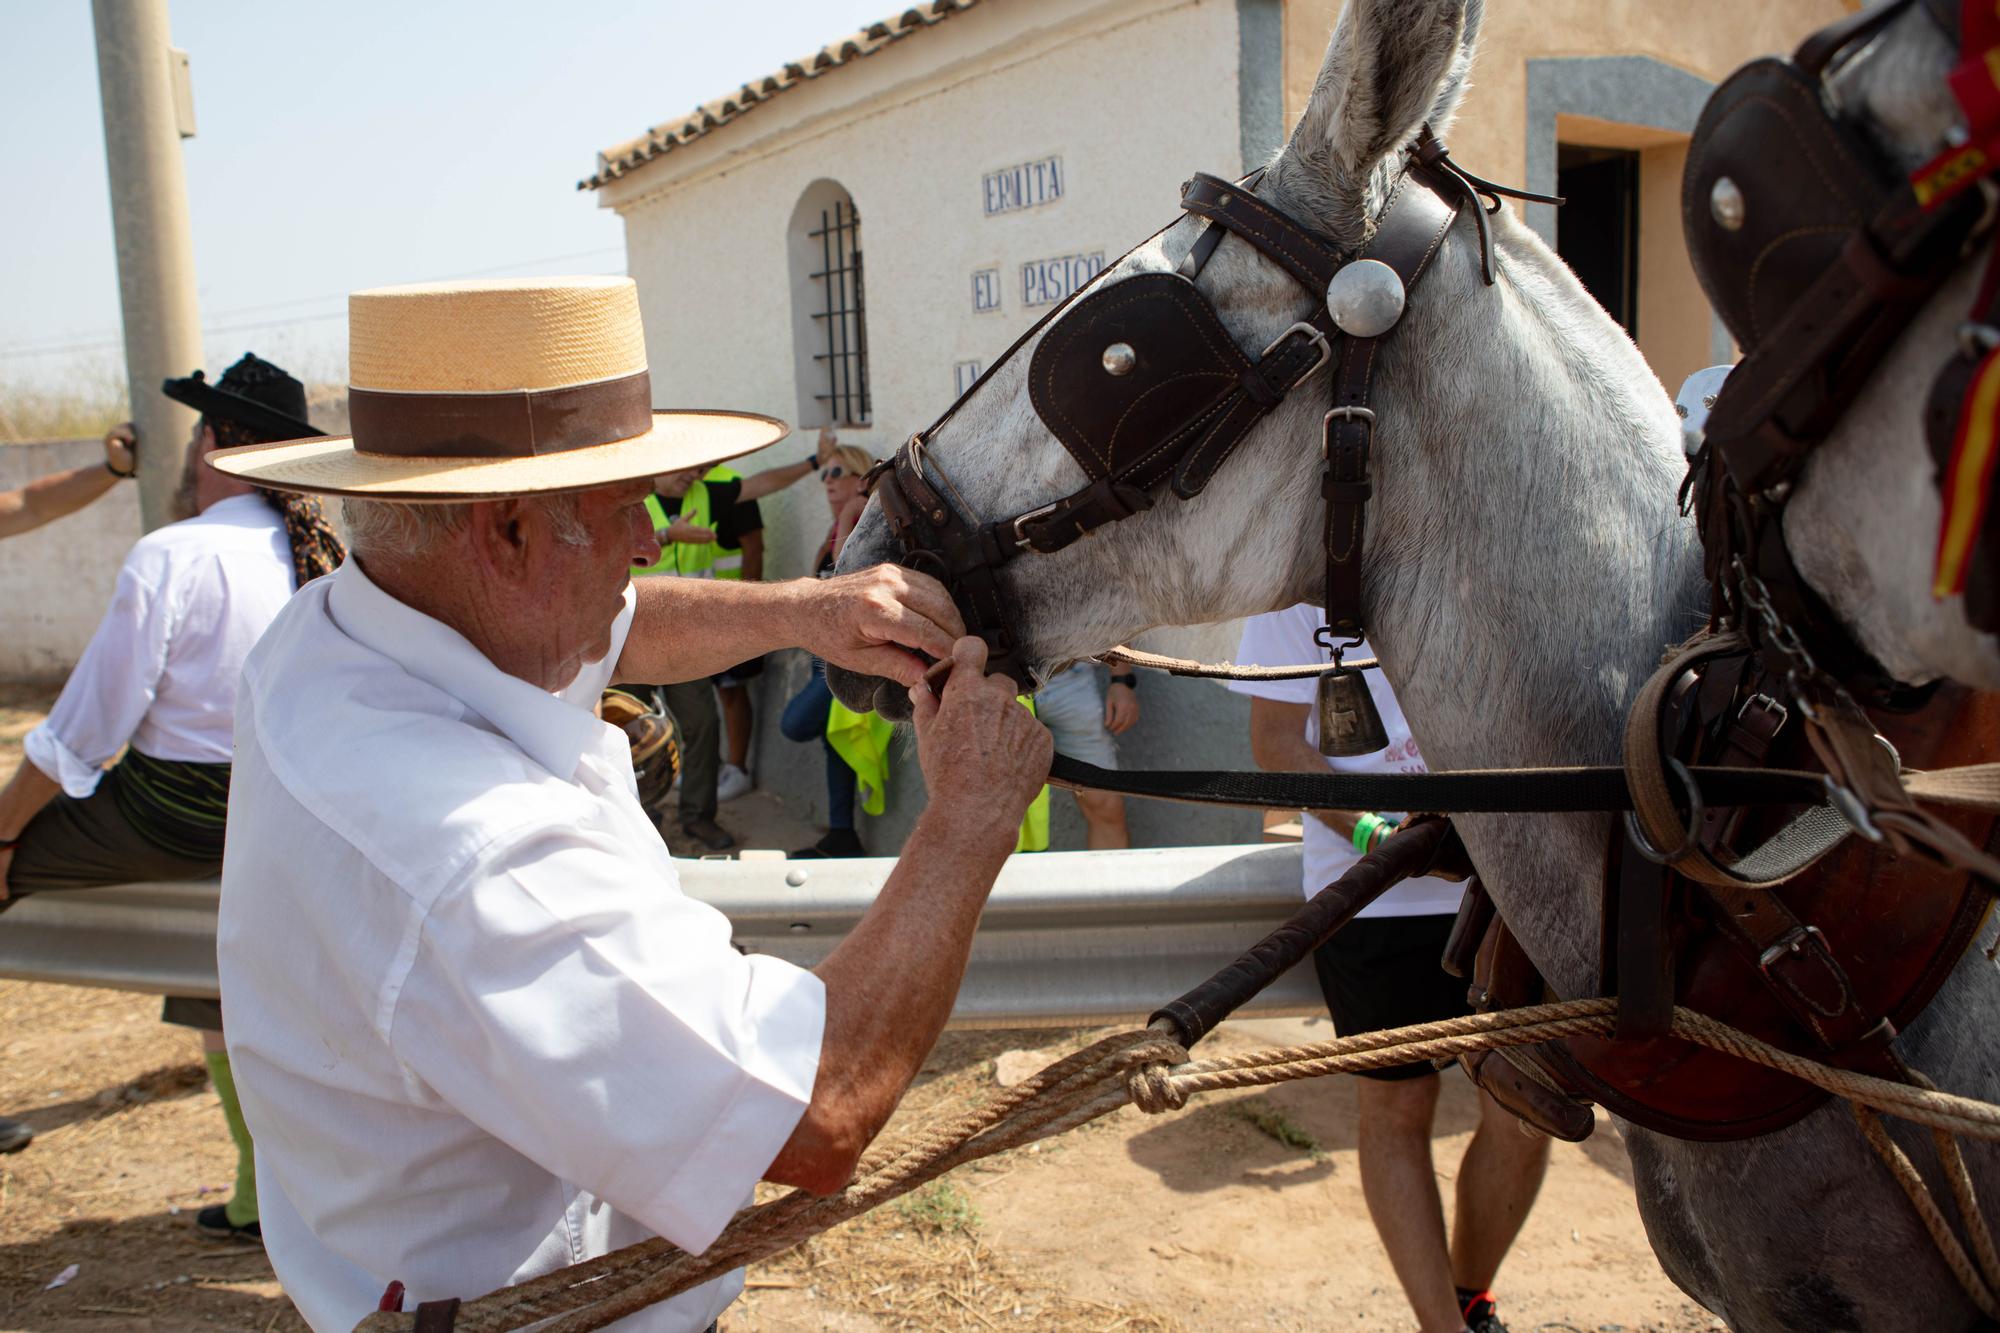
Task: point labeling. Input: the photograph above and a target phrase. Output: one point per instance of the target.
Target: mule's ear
(1392, 65)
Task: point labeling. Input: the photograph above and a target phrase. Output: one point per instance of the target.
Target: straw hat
(478, 390)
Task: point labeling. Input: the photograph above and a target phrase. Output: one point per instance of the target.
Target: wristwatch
(1128, 679)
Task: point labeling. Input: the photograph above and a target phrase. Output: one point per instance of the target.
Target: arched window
(829, 321)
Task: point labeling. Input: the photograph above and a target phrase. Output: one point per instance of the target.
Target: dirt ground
(1242, 1211)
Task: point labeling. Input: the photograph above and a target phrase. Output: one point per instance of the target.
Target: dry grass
(87, 400)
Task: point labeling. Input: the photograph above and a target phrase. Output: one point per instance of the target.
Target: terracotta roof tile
(622, 158)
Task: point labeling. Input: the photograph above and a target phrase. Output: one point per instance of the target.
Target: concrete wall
(909, 133)
(56, 580)
(1614, 73)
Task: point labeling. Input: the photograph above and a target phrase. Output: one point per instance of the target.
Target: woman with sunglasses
(843, 475)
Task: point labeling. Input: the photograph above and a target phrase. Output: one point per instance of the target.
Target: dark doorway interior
(1597, 231)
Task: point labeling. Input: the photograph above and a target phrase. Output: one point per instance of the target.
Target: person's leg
(1393, 1138)
(737, 719)
(692, 703)
(241, 1209)
(1071, 706)
(804, 718)
(1104, 820)
(1498, 1180)
(839, 791)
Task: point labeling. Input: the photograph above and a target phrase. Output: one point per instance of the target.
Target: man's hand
(1121, 709)
(6, 864)
(828, 442)
(984, 756)
(877, 620)
(680, 530)
(121, 446)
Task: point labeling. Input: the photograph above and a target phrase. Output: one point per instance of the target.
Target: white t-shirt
(1284, 638)
(478, 1030)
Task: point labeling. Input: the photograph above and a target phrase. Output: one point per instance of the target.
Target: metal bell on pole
(1349, 723)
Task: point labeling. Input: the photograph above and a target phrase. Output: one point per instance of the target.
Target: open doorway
(1597, 230)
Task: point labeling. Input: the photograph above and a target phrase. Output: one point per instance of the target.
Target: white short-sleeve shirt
(477, 1029)
(160, 672)
(1285, 638)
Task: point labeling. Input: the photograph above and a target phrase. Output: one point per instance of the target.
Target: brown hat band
(519, 424)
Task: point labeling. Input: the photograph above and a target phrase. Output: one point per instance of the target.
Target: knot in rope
(1153, 1092)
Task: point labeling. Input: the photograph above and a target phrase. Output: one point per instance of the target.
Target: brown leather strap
(437, 1316)
(1406, 239)
(1307, 257)
(500, 425)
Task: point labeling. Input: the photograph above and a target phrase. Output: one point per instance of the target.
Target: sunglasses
(832, 472)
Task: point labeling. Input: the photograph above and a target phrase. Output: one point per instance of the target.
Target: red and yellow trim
(1968, 478)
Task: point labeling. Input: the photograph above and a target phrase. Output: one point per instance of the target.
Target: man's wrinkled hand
(6, 865)
(828, 442)
(984, 756)
(881, 621)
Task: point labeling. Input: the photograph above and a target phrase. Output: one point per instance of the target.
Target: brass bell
(1349, 723)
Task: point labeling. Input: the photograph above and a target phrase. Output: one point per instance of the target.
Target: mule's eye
(1119, 359)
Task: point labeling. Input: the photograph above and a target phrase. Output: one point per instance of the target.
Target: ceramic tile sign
(1029, 185)
(985, 291)
(963, 375)
(1047, 281)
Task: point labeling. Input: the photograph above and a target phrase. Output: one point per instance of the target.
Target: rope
(1147, 1069)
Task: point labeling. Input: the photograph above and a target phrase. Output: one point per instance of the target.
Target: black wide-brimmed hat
(252, 393)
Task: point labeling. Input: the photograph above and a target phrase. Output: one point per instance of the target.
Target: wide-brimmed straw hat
(478, 390)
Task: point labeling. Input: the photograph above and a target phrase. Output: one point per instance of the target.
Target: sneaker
(708, 833)
(1481, 1311)
(733, 783)
(14, 1135)
(213, 1222)
(837, 842)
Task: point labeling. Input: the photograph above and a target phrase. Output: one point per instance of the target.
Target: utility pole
(147, 112)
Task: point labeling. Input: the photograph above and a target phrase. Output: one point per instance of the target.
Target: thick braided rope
(1147, 1069)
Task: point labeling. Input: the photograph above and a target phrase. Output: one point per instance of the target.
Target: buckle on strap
(1318, 338)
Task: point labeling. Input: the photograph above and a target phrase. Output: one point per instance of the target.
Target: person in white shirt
(479, 1030)
(158, 682)
(1383, 971)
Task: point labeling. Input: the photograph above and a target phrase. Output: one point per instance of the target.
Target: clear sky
(352, 143)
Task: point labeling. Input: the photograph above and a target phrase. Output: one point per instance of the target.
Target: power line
(109, 339)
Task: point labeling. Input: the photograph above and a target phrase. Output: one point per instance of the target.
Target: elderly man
(479, 1031)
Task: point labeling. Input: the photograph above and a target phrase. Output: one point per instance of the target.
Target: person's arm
(61, 493)
(1121, 703)
(20, 801)
(874, 621)
(770, 480)
(753, 556)
(891, 983)
(1278, 743)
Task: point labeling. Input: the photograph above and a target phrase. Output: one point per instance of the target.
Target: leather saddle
(1831, 964)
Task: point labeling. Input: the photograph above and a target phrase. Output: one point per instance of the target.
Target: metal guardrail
(1067, 937)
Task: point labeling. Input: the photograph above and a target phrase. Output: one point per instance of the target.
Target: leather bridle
(1145, 387)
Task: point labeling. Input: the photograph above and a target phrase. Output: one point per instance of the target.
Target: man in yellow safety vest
(704, 519)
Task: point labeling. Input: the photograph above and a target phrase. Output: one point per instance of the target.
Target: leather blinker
(1183, 362)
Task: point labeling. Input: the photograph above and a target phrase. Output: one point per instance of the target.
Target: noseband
(1150, 394)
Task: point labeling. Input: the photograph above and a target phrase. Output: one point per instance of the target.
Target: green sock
(241, 1210)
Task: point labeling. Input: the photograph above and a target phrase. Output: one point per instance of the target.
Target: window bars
(841, 305)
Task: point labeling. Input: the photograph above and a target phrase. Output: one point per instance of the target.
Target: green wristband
(1365, 829)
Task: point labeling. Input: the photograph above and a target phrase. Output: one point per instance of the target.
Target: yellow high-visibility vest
(711, 560)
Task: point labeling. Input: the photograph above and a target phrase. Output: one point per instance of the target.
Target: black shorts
(740, 674)
(1382, 972)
